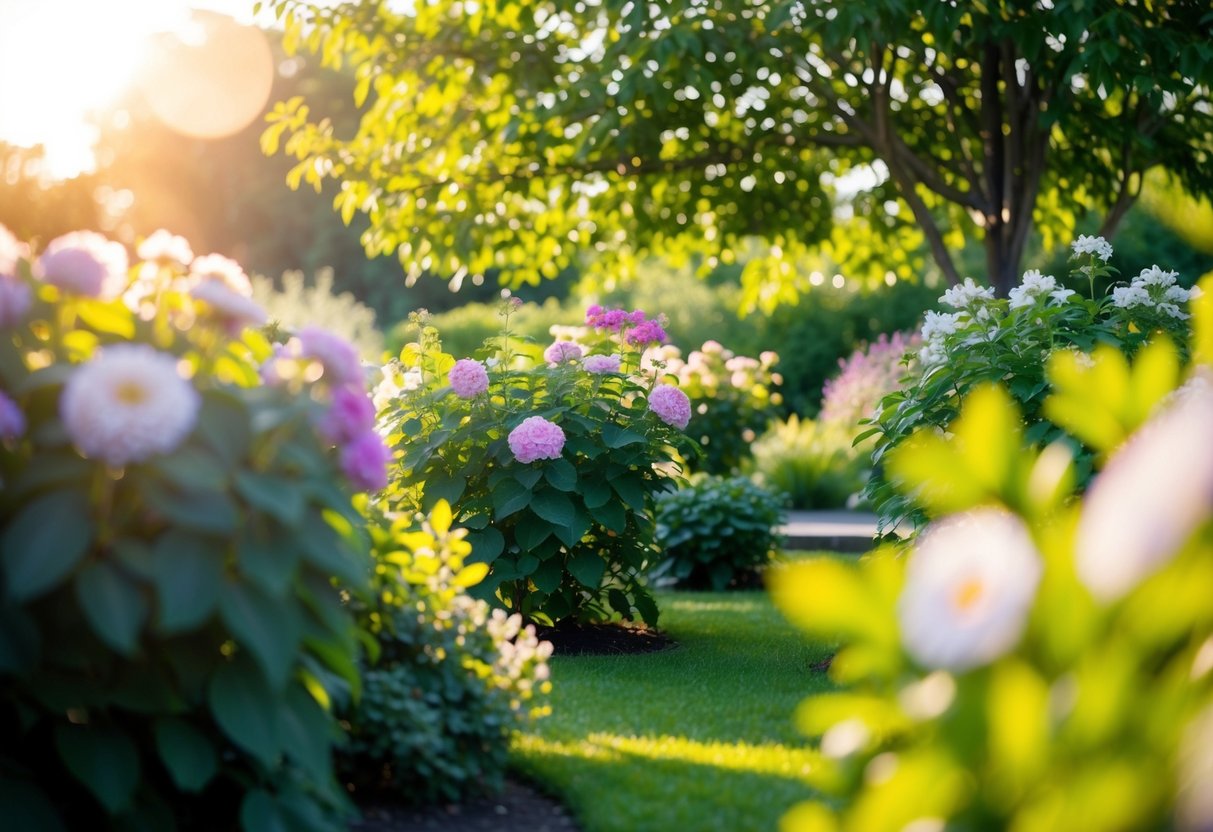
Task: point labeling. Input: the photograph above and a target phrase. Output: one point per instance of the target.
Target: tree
(516, 133)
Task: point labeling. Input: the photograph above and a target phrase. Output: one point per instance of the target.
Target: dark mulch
(573, 639)
(519, 808)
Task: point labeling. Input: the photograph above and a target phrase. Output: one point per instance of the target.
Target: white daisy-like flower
(970, 584)
(234, 310)
(1062, 296)
(1152, 495)
(1098, 246)
(127, 404)
(963, 295)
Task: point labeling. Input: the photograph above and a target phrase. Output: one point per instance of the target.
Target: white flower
(165, 247)
(963, 295)
(1177, 294)
(1126, 296)
(234, 310)
(1098, 246)
(1151, 496)
(223, 269)
(1155, 276)
(970, 583)
(1173, 310)
(1061, 295)
(127, 404)
(1034, 285)
(937, 324)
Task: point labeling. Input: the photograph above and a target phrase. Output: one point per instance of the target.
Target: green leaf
(269, 629)
(615, 436)
(204, 511)
(530, 531)
(328, 552)
(575, 529)
(612, 515)
(595, 492)
(20, 642)
(440, 486)
(246, 709)
(189, 572)
(305, 731)
(268, 555)
(528, 476)
(187, 753)
(102, 758)
(486, 544)
(192, 469)
(259, 812)
(547, 575)
(45, 540)
(554, 507)
(113, 605)
(587, 568)
(27, 808)
(646, 606)
(630, 487)
(278, 497)
(509, 497)
(561, 474)
(223, 423)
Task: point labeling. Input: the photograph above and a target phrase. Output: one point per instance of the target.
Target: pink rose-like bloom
(601, 364)
(671, 405)
(350, 415)
(562, 351)
(165, 247)
(223, 269)
(342, 367)
(646, 332)
(468, 378)
(235, 310)
(15, 301)
(364, 462)
(85, 263)
(536, 438)
(12, 420)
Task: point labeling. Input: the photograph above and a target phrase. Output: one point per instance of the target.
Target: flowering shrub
(866, 376)
(1035, 662)
(169, 530)
(730, 401)
(553, 467)
(452, 679)
(1011, 341)
(717, 532)
(812, 464)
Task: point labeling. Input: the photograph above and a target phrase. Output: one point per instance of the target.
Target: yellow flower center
(130, 392)
(968, 594)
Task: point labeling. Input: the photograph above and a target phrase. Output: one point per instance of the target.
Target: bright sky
(59, 59)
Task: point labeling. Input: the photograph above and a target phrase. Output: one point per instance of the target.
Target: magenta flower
(342, 367)
(646, 332)
(536, 438)
(12, 420)
(671, 405)
(350, 415)
(608, 319)
(85, 263)
(468, 378)
(364, 462)
(601, 364)
(562, 351)
(15, 301)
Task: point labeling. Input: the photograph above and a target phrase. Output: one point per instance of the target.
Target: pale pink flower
(12, 251)
(468, 378)
(223, 269)
(85, 263)
(562, 351)
(601, 364)
(128, 403)
(350, 415)
(15, 301)
(342, 366)
(671, 405)
(364, 462)
(234, 310)
(163, 246)
(12, 420)
(536, 438)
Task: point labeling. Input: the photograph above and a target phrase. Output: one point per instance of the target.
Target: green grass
(699, 737)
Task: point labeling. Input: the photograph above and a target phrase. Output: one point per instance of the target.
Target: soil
(519, 808)
(573, 639)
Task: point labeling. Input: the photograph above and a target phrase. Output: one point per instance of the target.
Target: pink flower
(12, 420)
(601, 364)
(468, 378)
(562, 351)
(671, 405)
(364, 462)
(223, 269)
(15, 301)
(350, 415)
(536, 438)
(342, 367)
(165, 247)
(234, 310)
(12, 250)
(608, 319)
(85, 263)
(646, 332)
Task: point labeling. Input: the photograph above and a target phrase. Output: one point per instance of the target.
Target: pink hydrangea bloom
(350, 415)
(601, 364)
(85, 263)
(536, 438)
(12, 420)
(234, 310)
(646, 332)
(364, 462)
(562, 351)
(468, 378)
(165, 247)
(15, 301)
(671, 405)
(342, 367)
(223, 269)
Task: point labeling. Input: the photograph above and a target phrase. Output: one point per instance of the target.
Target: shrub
(452, 679)
(298, 302)
(169, 532)
(1012, 341)
(812, 464)
(1035, 661)
(466, 328)
(716, 532)
(870, 373)
(552, 466)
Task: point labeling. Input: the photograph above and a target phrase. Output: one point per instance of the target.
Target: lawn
(698, 737)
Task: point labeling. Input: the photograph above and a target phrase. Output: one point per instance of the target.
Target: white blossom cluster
(1097, 246)
(935, 330)
(1155, 288)
(966, 294)
(1036, 286)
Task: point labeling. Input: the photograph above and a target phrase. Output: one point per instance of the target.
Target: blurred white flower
(165, 247)
(233, 310)
(1098, 246)
(970, 583)
(963, 295)
(1152, 495)
(223, 269)
(1035, 285)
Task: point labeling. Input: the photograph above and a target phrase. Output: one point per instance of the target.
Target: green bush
(170, 531)
(551, 464)
(452, 679)
(716, 532)
(466, 328)
(813, 465)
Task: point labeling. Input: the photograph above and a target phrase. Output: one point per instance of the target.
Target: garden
(291, 539)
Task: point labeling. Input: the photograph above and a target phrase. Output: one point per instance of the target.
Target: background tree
(515, 134)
